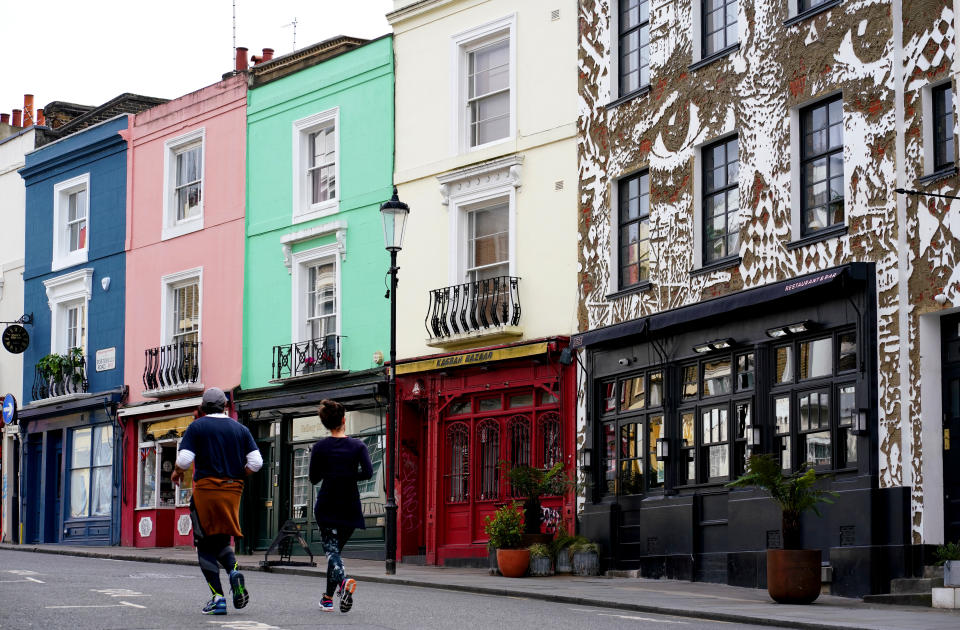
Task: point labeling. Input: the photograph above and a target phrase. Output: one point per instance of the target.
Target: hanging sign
(9, 409)
(15, 338)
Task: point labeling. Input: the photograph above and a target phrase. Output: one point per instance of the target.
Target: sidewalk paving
(688, 599)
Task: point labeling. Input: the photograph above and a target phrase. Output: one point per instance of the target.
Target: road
(73, 593)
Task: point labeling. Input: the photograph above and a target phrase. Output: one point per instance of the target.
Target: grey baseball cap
(214, 396)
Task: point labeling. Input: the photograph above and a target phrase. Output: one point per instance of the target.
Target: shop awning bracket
(283, 545)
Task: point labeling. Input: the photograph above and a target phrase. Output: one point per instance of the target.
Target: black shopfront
(677, 400)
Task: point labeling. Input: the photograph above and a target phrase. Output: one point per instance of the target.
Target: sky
(89, 51)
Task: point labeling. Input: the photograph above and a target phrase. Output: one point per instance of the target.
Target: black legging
(333, 540)
(212, 550)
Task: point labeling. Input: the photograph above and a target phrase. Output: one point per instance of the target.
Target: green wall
(360, 84)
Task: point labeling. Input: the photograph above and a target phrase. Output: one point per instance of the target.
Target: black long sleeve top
(339, 463)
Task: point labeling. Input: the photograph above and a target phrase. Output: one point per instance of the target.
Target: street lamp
(394, 214)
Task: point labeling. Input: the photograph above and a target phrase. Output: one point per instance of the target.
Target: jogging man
(339, 462)
(223, 453)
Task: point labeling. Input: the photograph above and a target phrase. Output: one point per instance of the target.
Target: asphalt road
(72, 593)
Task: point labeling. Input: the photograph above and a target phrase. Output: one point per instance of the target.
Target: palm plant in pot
(948, 556)
(533, 483)
(505, 530)
(793, 573)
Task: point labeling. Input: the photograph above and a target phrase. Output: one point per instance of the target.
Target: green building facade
(315, 321)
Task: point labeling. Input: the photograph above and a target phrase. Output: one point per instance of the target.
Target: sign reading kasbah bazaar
(470, 358)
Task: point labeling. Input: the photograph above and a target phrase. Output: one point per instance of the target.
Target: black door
(950, 336)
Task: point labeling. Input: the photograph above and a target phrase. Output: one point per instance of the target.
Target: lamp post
(394, 214)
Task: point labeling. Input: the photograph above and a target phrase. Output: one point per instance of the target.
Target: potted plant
(533, 483)
(541, 560)
(585, 558)
(561, 548)
(505, 530)
(948, 556)
(793, 573)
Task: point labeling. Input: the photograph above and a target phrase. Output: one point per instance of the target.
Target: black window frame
(809, 157)
(943, 140)
(705, 49)
(623, 225)
(808, 5)
(710, 192)
(642, 30)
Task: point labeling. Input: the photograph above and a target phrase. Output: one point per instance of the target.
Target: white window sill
(492, 143)
(184, 227)
(62, 262)
(317, 211)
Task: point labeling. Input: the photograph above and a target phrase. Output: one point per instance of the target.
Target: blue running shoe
(216, 606)
(345, 593)
(241, 596)
(326, 604)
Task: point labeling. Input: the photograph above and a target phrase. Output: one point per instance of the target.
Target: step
(420, 561)
(914, 585)
(933, 572)
(901, 599)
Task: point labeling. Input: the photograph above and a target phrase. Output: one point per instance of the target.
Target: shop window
(656, 389)
(688, 464)
(518, 446)
(717, 377)
(691, 382)
(631, 458)
(610, 457)
(148, 477)
(159, 442)
(458, 464)
(814, 420)
(655, 470)
(714, 424)
(781, 406)
(489, 404)
(488, 438)
(302, 498)
(630, 464)
(521, 400)
(847, 351)
(547, 398)
(459, 407)
(375, 446)
(746, 372)
(551, 439)
(610, 397)
(783, 364)
(816, 358)
(91, 472)
(846, 438)
(743, 419)
(632, 394)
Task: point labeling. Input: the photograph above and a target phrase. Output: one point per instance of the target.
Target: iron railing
(70, 379)
(473, 307)
(306, 357)
(172, 366)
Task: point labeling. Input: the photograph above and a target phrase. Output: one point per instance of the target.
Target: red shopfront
(461, 415)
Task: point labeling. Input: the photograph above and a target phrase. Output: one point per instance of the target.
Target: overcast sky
(89, 51)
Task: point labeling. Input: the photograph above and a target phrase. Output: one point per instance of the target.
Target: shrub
(505, 529)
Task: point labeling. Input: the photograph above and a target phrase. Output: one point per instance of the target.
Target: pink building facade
(184, 247)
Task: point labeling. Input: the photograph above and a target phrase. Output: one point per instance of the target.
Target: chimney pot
(27, 110)
(241, 59)
(16, 117)
(267, 54)
(5, 119)
(41, 120)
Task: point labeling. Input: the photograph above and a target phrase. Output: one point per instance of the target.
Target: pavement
(699, 600)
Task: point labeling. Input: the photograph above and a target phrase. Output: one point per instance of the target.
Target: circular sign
(9, 409)
(15, 338)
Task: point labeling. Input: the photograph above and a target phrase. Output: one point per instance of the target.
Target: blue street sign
(9, 409)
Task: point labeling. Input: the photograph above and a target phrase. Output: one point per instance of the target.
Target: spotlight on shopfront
(702, 348)
(860, 422)
(777, 332)
(754, 435)
(716, 344)
(585, 458)
(800, 327)
(663, 449)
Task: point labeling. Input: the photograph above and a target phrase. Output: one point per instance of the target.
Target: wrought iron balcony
(63, 375)
(172, 368)
(474, 307)
(306, 357)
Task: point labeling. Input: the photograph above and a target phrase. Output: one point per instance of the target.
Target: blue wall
(101, 152)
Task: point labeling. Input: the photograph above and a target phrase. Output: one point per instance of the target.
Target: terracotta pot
(513, 562)
(793, 575)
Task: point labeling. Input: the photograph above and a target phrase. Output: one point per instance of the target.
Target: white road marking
(35, 580)
(658, 620)
(120, 605)
(244, 625)
(118, 592)
(132, 605)
(26, 579)
(22, 572)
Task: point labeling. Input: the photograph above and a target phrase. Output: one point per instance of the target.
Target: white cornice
(338, 227)
(413, 9)
(477, 177)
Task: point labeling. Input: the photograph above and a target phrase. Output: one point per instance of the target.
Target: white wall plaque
(106, 359)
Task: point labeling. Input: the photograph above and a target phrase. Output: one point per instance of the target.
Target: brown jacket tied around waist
(217, 502)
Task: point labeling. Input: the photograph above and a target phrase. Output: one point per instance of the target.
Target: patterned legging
(333, 539)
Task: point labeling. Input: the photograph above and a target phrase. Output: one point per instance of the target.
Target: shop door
(265, 494)
(53, 487)
(950, 336)
(34, 505)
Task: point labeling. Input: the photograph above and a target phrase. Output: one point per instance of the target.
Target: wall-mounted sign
(106, 359)
(9, 409)
(16, 338)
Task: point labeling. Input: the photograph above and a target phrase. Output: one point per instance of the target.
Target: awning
(750, 298)
(52, 407)
(162, 428)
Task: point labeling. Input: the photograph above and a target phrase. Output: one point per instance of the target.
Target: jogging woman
(339, 462)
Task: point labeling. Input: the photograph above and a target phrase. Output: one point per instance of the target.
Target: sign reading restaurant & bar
(471, 358)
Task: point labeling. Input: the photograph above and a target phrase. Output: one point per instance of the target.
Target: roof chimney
(241, 59)
(40, 118)
(264, 58)
(5, 119)
(27, 110)
(16, 117)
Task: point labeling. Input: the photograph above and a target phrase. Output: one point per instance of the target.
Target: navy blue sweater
(339, 463)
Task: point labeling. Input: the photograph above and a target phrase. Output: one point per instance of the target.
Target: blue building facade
(74, 281)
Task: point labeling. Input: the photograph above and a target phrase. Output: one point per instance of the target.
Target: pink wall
(218, 248)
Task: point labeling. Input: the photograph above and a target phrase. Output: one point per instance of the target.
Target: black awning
(727, 304)
(48, 409)
(352, 397)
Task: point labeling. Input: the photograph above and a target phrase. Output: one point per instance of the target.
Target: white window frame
(173, 228)
(156, 444)
(462, 44)
(301, 262)
(62, 258)
(926, 102)
(796, 192)
(168, 284)
(64, 292)
(303, 208)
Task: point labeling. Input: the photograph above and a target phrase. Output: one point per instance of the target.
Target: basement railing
(474, 307)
